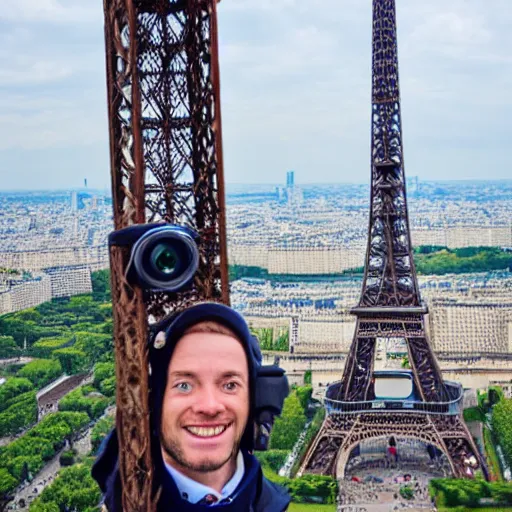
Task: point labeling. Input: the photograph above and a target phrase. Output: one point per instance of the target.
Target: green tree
(304, 394)
(103, 371)
(72, 360)
(100, 431)
(7, 482)
(273, 459)
(21, 411)
(108, 386)
(41, 371)
(80, 400)
(8, 347)
(501, 416)
(39, 506)
(73, 489)
(13, 387)
(289, 425)
(94, 345)
(101, 286)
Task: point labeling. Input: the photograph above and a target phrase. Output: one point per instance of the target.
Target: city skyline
(296, 79)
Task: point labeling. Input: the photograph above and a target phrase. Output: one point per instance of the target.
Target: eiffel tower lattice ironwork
(390, 307)
(166, 166)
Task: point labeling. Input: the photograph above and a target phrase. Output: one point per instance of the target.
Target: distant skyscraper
(414, 185)
(74, 201)
(33, 223)
(290, 179)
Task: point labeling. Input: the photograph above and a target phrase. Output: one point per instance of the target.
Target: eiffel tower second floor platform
(394, 390)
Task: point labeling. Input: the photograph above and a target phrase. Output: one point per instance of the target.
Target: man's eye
(183, 386)
(231, 386)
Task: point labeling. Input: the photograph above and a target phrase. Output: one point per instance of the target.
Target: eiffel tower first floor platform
(437, 424)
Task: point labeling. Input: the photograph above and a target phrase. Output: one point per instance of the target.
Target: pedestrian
(205, 396)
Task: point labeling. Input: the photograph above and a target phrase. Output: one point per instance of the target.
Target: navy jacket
(254, 493)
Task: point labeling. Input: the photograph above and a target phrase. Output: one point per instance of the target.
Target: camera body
(163, 257)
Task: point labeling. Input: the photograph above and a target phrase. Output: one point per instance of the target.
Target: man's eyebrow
(192, 375)
(240, 375)
(182, 374)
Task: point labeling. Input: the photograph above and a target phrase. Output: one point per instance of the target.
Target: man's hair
(210, 326)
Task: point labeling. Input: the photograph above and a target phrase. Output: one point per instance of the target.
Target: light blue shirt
(193, 491)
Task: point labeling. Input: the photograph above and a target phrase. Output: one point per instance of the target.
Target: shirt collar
(194, 491)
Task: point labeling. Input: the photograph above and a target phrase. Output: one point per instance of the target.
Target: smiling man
(204, 371)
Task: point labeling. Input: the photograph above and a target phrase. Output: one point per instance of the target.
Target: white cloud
(51, 11)
(34, 73)
(296, 81)
(53, 124)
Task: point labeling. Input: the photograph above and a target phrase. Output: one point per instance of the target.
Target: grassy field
(303, 507)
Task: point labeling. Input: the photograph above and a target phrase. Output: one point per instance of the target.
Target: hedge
(474, 414)
(272, 459)
(307, 487)
(502, 426)
(84, 399)
(44, 347)
(41, 372)
(468, 493)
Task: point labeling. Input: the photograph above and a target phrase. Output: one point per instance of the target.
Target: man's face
(206, 403)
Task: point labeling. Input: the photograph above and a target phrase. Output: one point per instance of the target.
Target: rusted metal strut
(166, 166)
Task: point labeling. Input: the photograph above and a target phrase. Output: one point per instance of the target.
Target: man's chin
(206, 465)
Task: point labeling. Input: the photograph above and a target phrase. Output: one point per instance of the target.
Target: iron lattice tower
(166, 166)
(390, 305)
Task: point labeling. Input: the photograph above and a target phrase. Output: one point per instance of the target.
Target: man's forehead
(199, 345)
(200, 354)
(210, 326)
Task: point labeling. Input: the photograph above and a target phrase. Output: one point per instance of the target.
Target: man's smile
(207, 431)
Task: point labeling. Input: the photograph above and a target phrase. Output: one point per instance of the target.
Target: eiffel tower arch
(390, 307)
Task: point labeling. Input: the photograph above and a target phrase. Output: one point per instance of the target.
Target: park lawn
(311, 507)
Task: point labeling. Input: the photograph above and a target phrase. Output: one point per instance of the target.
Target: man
(204, 396)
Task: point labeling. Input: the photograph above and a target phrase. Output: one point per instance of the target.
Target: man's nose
(208, 401)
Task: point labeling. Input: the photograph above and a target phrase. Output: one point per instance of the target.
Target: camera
(163, 257)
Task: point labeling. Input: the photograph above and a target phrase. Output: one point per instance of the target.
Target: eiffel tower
(390, 308)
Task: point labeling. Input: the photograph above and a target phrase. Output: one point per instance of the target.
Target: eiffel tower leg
(322, 454)
(460, 448)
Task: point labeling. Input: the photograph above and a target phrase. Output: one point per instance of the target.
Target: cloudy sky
(295, 90)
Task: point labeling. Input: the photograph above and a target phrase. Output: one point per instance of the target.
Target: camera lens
(164, 258)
